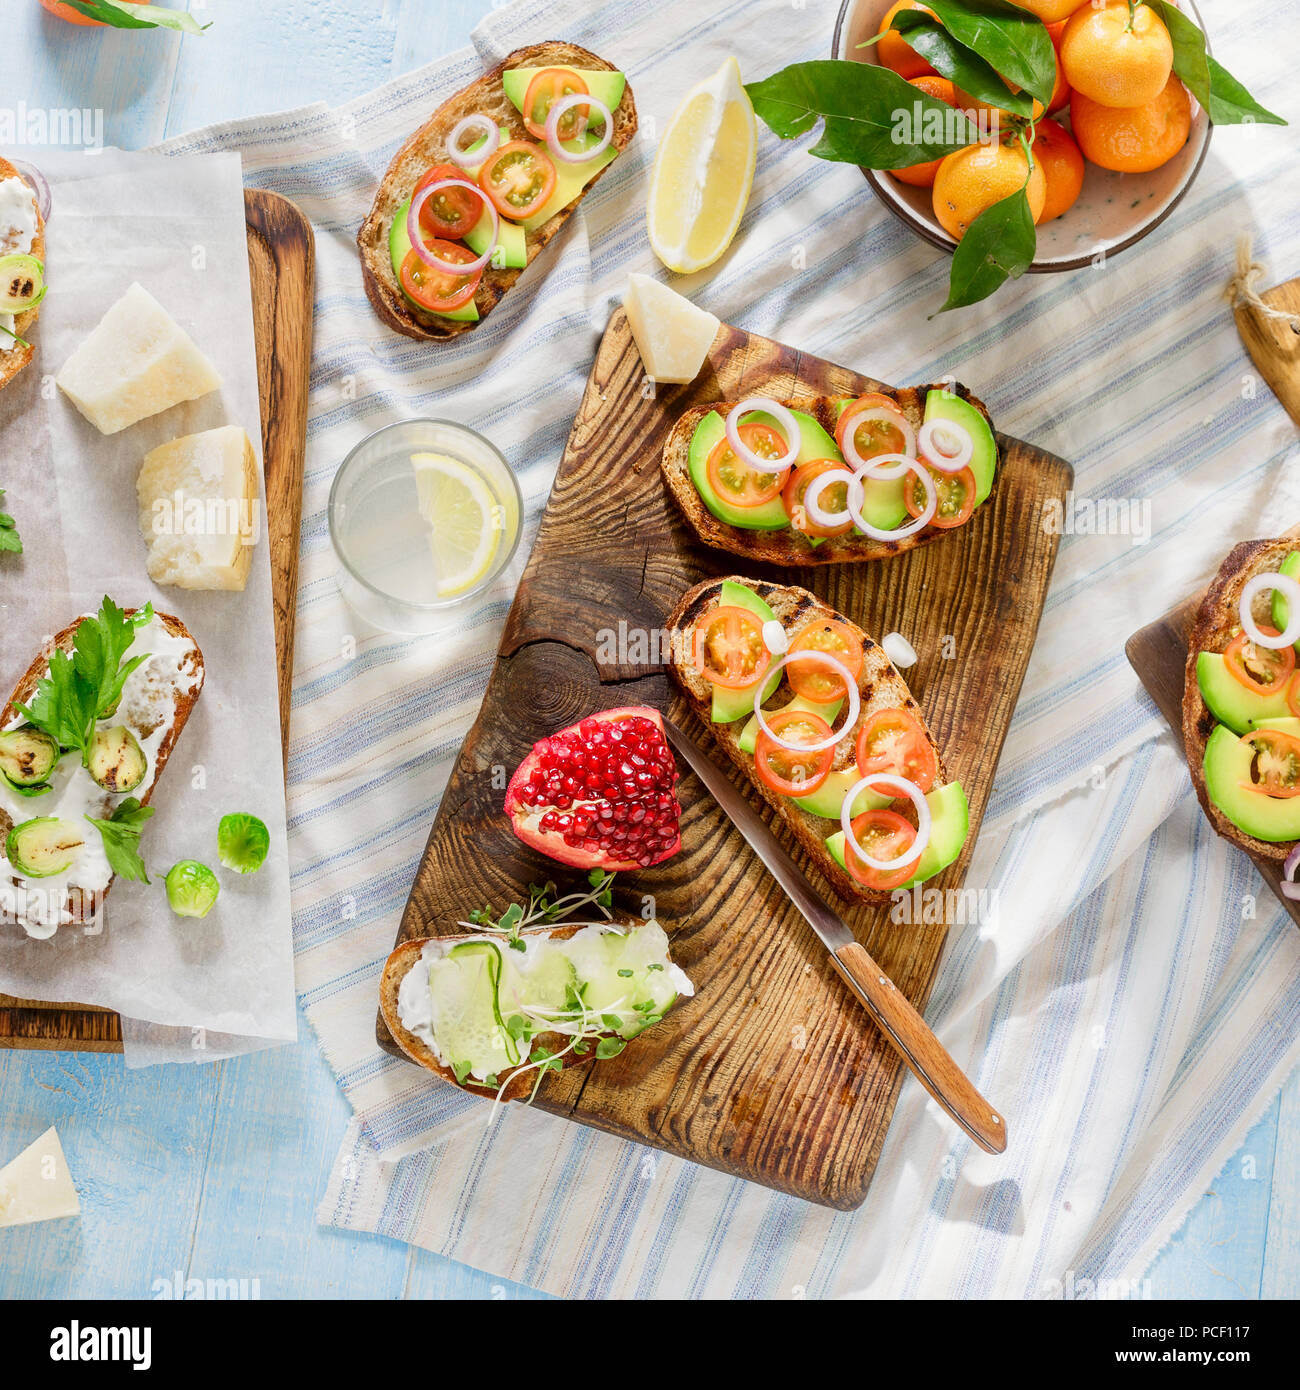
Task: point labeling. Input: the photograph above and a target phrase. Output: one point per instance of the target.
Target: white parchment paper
(188, 989)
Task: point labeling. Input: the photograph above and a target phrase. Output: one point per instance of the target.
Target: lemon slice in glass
(465, 521)
(703, 173)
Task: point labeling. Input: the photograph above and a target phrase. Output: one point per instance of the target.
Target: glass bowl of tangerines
(1040, 136)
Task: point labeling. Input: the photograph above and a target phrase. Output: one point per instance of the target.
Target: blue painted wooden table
(215, 1171)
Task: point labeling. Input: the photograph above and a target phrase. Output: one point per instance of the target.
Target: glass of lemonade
(424, 515)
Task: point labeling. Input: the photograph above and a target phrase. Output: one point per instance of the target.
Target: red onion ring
(763, 405)
(876, 412)
(813, 492)
(858, 495)
(471, 158)
(935, 456)
(1292, 860)
(923, 820)
(850, 685)
(38, 183)
(565, 103)
(1290, 590)
(415, 232)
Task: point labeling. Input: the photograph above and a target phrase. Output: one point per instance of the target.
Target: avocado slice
(950, 824)
(604, 86)
(511, 251)
(399, 243)
(730, 705)
(771, 516)
(1227, 779)
(1281, 609)
(748, 740)
(943, 405)
(1229, 701)
(571, 179)
(828, 799)
(1288, 725)
(882, 500)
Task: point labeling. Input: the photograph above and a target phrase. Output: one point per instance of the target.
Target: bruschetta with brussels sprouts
(22, 269)
(1241, 701)
(83, 741)
(473, 197)
(832, 479)
(493, 1011)
(822, 723)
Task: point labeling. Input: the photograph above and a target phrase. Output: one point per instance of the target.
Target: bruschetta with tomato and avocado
(820, 720)
(479, 190)
(1241, 701)
(832, 479)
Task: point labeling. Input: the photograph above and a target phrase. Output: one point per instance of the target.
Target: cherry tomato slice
(956, 493)
(812, 679)
(831, 500)
(884, 835)
(730, 650)
(734, 481)
(872, 437)
(546, 87)
(1265, 670)
(782, 769)
(1276, 768)
(892, 740)
(519, 178)
(432, 289)
(451, 212)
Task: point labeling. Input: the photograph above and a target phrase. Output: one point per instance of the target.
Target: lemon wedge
(703, 173)
(465, 520)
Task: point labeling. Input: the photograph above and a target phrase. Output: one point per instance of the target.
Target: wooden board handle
(924, 1054)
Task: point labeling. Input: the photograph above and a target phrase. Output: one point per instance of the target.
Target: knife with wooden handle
(905, 1029)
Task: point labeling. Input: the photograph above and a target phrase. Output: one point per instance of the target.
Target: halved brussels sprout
(27, 756)
(43, 847)
(116, 761)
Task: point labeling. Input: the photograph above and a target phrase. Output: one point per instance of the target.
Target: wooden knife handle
(924, 1054)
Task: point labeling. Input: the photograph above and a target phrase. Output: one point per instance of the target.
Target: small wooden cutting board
(772, 1071)
(1273, 344)
(281, 263)
(1158, 653)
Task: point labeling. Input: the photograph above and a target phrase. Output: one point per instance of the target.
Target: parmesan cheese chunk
(672, 335)
(199, 509)
(37, 1186)
(136, 361)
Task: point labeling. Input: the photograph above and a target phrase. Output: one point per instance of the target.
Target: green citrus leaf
(870, 114)
(998, 246)
(964, 68)
(1012, 40)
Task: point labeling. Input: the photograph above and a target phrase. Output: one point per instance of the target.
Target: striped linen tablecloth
(1132, 1004)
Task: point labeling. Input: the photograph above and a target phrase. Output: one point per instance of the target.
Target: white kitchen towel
(1131, 1004)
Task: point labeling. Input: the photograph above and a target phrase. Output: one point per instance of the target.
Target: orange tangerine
(1062, 163)
(1117, 58)
(1133, 139)
(895, 52)
(973, 179)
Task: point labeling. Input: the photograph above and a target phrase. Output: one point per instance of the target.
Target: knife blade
(904, 1028)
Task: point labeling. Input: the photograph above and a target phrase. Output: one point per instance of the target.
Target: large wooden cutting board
(1158, 653)
(772, 1071)
(281, 263)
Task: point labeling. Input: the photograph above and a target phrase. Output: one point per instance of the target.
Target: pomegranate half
(599, 794)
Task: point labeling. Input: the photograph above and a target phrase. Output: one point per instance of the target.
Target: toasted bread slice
(880, 686)
(790, 547)
(16, 358)
(518, 1081)
(428, 146)
(181, 688)
(1217, 621)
